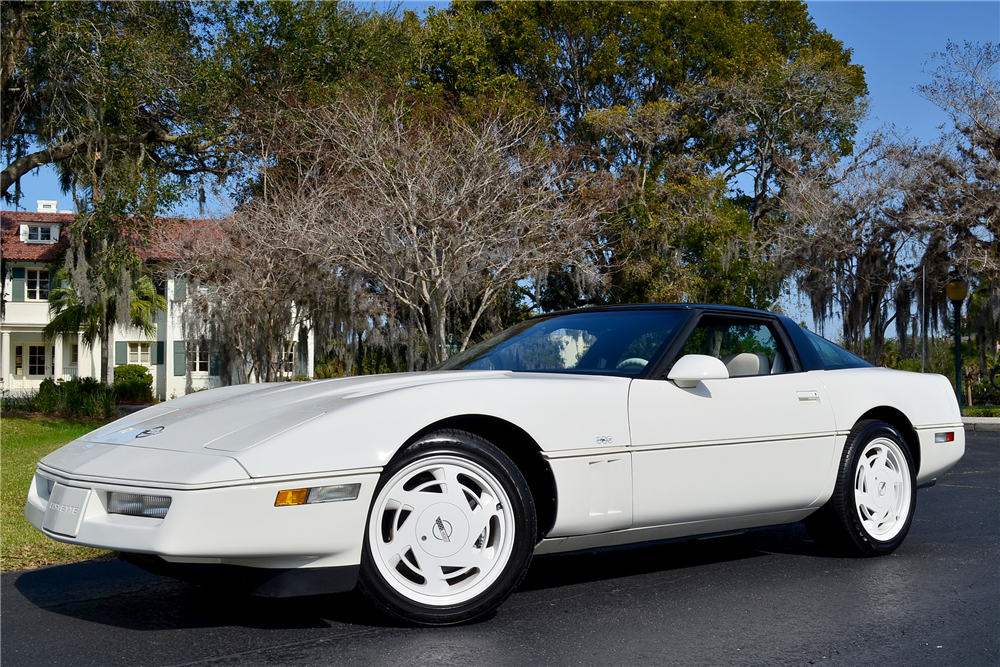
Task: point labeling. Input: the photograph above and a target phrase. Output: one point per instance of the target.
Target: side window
(746, 347)
(833, 356)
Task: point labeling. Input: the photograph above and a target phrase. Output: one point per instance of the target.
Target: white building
(29, 245)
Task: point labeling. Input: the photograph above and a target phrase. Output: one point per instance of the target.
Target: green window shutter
(180, 361)
(17, 283)
(213, 364)
(180, 289)
(156, 353)
(121, 353)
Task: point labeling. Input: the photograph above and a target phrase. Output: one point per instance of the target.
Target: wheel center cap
(442, 530)
(884, 495)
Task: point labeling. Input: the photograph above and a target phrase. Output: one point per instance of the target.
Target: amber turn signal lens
(291, 497)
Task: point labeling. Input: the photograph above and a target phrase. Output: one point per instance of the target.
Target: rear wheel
(450, 532)
(873, 502)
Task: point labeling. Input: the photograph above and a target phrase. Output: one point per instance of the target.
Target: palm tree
(70, 315)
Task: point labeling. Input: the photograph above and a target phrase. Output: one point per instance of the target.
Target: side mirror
(693, 368)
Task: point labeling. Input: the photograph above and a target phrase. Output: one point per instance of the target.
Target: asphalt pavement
(763, 597)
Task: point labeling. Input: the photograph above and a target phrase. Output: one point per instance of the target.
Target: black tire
(854, 523)
(408, 570)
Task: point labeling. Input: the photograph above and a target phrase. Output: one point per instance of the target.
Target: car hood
(238, 418)
(331, 426)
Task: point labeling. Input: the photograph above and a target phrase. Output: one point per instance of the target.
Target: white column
(168, 341)
(79, 355)
(311, 355)
(6, 359)
(57, 357)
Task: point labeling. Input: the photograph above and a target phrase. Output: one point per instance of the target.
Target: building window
(37, 284)
(36, 360)
(199, 359)
(18, 360)
(40, 234)
(138, 353)
(74, 354)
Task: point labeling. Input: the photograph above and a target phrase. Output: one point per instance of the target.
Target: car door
(758, 442)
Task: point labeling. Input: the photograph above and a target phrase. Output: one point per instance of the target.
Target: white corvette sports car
(577, 430)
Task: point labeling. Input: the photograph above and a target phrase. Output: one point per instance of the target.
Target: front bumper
(228, 525)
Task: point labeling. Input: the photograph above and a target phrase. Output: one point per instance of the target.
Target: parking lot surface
(763, 597)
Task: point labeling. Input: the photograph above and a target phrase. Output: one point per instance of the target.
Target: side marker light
(291, 497)
(317, 494)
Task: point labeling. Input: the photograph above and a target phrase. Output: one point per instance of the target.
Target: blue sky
(892, 40)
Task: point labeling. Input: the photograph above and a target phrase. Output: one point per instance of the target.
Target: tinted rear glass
(600, 342)
(833, 356)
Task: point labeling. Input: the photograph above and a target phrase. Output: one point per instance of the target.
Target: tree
(434, 213)
(95, 320)
(251, 284)
(855, 234)
(121, 99)
(86, 85)
(965, 201)
(866, 232)
(678, 101)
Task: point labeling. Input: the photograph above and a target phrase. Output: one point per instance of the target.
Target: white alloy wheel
(441, 531)
(882, 489)
(874, 497)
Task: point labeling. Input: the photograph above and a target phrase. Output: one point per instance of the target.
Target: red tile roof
(13, 248)
(176, 236)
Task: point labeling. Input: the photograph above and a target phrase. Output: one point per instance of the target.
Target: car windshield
(601, 342)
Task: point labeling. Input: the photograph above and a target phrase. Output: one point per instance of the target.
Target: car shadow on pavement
(669, 555)
(122, 595)
(118, 594)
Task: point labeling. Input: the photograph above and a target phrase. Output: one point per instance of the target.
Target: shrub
(50, 396)
(333, 369)
(912, 365)
(133, 383)
(71, 398)
(18, 401)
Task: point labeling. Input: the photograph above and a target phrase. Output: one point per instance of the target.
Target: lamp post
(957, 289)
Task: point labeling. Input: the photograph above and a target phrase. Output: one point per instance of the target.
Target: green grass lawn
(981, 411)
(23, 441)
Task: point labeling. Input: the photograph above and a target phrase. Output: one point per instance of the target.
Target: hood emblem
(156, 430)
(441, 530)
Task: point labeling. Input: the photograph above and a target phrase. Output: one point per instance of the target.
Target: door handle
(808, 396)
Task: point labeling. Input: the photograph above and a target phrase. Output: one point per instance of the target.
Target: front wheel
(450, 533)
(873, 501)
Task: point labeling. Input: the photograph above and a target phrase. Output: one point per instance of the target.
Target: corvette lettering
(64, 509)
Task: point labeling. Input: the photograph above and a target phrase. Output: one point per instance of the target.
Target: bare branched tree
(966, 85)
(250, 287)
(390, 226)
(863, 231)
(440, 213)
(857, 238)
